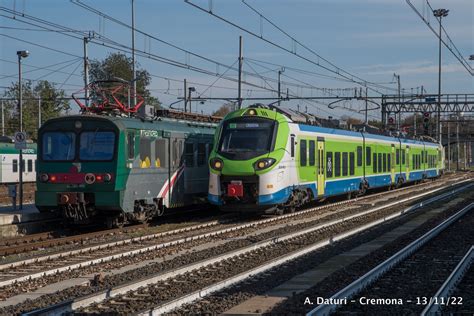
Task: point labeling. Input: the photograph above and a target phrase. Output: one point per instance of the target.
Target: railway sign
(20, 140)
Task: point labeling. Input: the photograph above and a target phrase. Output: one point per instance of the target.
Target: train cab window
(329, 163)
(359, 156)
(337, 164)
(58, 146)
(15, 165)
(131, 145)
(379, 168)
(351, 162)
(397, 157)
(312, 148)
(161, 152)
(303, 153)
(145, 153)
(201, 152)
(375, 163)
(96, 145)
(368, 151)
(344, 164)
(30, 165)
(189, 154)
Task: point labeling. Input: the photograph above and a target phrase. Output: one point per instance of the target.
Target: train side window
(161, 152)
(389, 162)
(344, 164)
(337, 164)
(359, 156)
(22, 166)
(384, 162)
(403, 156)
(329, 164)
(351, 162)
(413, 159)
(15, 165)
(397, 157)
(375, 163)
(201, 158)
(292, 145)
(30, 165)
(379, 163)
(131, 145)
(303, 153)
(145, 152)
(368, 154)
(312, 148)
(189, 154)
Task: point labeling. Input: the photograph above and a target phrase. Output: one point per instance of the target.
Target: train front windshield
(246, 138)
(85, 146)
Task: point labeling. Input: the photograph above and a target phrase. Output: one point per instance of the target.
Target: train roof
(160, 123)
(9, 148)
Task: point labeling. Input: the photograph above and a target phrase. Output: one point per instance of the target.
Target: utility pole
(457, 141)
(414, 123)
(185, 96)
(399, 102)
(279, 85)
(86, 72)
(3, 120)
(39, 112)
(366, 106)
(133, 56)
(241, 59)
(439, 13)
(449, 145)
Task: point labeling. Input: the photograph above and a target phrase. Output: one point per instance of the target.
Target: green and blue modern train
(118, 169)
(264, 160)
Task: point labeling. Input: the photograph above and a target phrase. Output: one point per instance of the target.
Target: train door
(407, 160)
(392, 163)
(320, 166)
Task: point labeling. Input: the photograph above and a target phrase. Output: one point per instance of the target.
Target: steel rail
(449, 285)
(71, 305)
(371, 276)
(85, 263)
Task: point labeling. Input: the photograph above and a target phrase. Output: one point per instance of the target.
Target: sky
(371, 39)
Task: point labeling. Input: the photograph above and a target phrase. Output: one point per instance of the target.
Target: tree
(119, 66)
(224, 109)
(52, 105)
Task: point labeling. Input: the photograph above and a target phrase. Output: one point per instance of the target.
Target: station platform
(26, 221)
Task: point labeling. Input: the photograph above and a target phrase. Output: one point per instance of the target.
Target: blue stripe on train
(334, 187)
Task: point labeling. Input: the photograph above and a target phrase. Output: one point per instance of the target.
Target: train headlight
(263, 163)
(252, 112)
(44, 177)
(216, 164)
(107, 177)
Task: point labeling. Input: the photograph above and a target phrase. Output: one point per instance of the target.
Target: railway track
(37, 267)
(294, 236)
(46, 240)
(459, 284)
(407, 281)
(43, 240)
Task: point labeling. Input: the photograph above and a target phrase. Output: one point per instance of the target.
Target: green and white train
(10, 165)
(264, 160)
